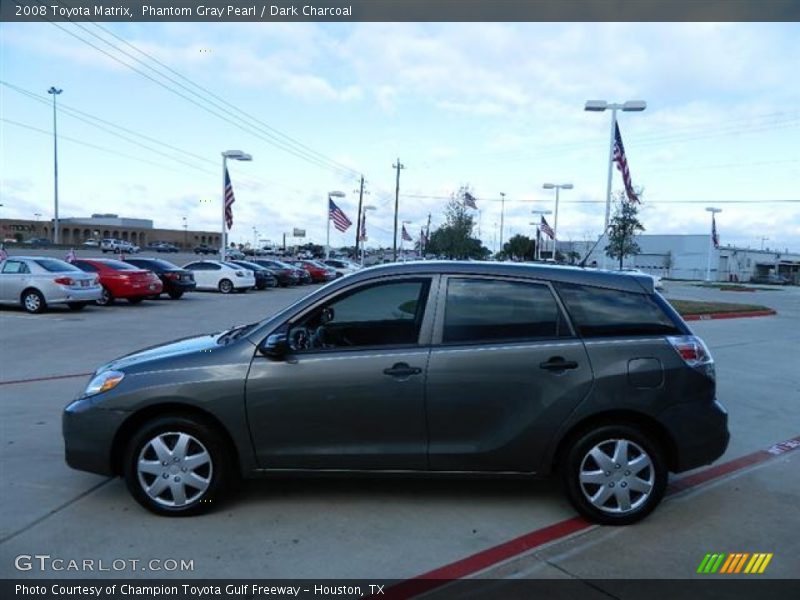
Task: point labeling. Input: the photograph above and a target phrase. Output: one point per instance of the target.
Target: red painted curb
(529, 541)
(36, 379)
(729, 315)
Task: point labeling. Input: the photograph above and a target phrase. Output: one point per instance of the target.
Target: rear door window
(601, 312)
(492, 310)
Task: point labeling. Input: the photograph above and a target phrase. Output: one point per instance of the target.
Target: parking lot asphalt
(380, 528)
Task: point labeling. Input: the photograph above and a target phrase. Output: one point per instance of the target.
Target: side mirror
(276, 346)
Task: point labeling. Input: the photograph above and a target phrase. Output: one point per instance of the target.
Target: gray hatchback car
(419, 368)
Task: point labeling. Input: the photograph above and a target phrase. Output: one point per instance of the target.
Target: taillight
(694, 352)
(171, 275)
(64, 281)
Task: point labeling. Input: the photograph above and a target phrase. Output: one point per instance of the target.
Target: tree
(454, 238)
(622, 229)
(573, 256)
(519, 247)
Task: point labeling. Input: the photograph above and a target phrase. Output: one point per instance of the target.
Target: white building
(687, 257)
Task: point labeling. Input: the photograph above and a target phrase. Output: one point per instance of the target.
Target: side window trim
(426, 326)
(438, 327)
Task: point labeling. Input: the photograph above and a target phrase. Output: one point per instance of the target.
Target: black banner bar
(400, 10)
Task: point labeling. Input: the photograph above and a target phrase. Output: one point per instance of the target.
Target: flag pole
(222, 237)
(328, 236)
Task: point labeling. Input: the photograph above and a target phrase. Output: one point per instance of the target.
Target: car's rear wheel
(175, 295)
(33, 301)
(226, 286)
(77, 305)
(177, 466)
(106, 297)
(614, 474)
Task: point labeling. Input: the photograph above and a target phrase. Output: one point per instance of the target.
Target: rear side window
(486, 310)
(600, 312)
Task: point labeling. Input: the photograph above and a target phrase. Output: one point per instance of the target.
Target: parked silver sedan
(36, 281)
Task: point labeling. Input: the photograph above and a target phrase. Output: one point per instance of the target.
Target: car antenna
(582, 264)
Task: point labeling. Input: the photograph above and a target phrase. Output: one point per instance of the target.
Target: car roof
(631, 282)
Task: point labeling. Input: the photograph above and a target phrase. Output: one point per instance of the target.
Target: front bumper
(89, 433)
(699, 432)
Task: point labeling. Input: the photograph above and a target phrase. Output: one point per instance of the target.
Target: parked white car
(221, 276)
(659, 284)
(37, 281)
(118, 246)
(341, 266)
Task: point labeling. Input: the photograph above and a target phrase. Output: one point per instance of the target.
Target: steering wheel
(300, 339)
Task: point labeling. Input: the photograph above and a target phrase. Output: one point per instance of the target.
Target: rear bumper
(75, 295)
(179, 286)
(699, 432)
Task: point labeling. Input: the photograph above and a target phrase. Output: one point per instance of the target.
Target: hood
(183, 347)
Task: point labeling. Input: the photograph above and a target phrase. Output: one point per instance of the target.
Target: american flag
(229, 200)
(622, 164)
(547, 229)
(405, 236)
(362, 236)
(714, 234)
(340, 220)
(469, 201)
(70, 255)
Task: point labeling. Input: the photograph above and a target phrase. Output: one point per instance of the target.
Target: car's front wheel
(614, 474)
(177, 466)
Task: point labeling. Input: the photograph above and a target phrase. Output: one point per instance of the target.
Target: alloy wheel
(617, 476)
(174, 469)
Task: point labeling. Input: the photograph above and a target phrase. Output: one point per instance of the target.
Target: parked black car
(165, 247)
(176, 281)
(286, 274)
(264, 277)
(430, 367)
(205, 249)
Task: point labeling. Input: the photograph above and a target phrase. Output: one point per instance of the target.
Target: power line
(529, 200)
(237, 122)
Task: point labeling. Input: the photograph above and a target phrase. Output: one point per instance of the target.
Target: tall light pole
(328, 216)
(502, 214)
(713, 212)
(185, 233)
(600, 106)
(233, 155)
(37, 215)
(557, 187)
(56, 233)
(365, 210)
(539, 237)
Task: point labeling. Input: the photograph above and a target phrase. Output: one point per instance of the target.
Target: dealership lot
(379, 528)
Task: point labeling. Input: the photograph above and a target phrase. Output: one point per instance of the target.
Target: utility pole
(358, 221)
(397, 166)
(427, 234)
(502, 214)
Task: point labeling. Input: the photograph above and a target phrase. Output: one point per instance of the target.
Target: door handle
(402, 370)
(557, 363)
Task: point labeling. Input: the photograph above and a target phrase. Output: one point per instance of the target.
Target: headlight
(103, 382)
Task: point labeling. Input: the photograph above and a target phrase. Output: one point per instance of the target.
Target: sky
(495, 106)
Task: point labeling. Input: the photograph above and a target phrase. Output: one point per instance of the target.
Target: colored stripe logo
(735, 562)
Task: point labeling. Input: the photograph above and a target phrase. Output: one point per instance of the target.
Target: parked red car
(121, 280)
(319, 273)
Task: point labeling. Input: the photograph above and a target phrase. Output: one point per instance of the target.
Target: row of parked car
(34, 282)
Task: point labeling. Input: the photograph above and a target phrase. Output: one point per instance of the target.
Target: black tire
(33, 301)
(175, 295)
(225, 286)
(77, 305)
(219, 471)
(135, 300)
(612, 512)
(106, 299)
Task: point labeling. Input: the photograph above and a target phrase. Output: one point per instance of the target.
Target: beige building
(75, 231)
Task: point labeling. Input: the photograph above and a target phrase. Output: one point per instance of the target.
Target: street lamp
(557, 187)
(55, 92)
(538, 224)
(185, 233)
(334, 194)
(713, 212)
(600, 106)
(233, 155)
(502, 215)
(364, 211)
